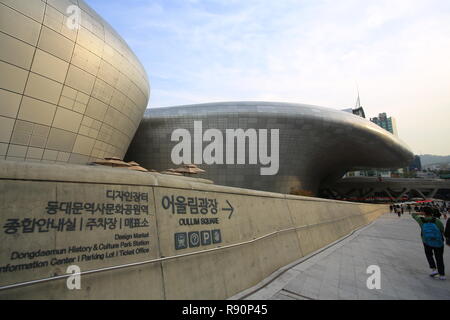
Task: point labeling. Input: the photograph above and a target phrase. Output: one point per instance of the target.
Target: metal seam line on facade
(162, 259)
(86, 48)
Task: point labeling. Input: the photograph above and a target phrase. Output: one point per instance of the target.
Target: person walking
(432, 231)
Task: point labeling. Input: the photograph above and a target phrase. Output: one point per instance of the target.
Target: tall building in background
(357, 110)
(387, 123)
(416, 164)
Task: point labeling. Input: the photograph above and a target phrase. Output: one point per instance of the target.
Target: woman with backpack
(433, 241)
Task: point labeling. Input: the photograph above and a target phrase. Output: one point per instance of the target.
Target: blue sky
(305, 51)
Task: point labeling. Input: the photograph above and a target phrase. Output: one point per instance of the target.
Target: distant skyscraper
(386, 123)
(357, 110)
(416, 164)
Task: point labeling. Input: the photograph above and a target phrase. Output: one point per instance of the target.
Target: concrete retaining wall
(197, 240)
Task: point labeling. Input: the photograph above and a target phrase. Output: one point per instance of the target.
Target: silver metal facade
(66, 94)
(316, 144)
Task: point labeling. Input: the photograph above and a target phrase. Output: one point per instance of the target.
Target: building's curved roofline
(317, 144)
(305, 111)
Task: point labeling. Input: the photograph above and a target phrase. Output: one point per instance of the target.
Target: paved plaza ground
(340, 270)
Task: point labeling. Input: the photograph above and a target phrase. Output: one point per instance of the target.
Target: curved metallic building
(316, 144)
(69, 92)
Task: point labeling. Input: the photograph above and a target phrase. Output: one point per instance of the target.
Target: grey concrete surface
(339, 272)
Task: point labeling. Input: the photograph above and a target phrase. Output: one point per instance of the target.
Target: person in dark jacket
(434, 246)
